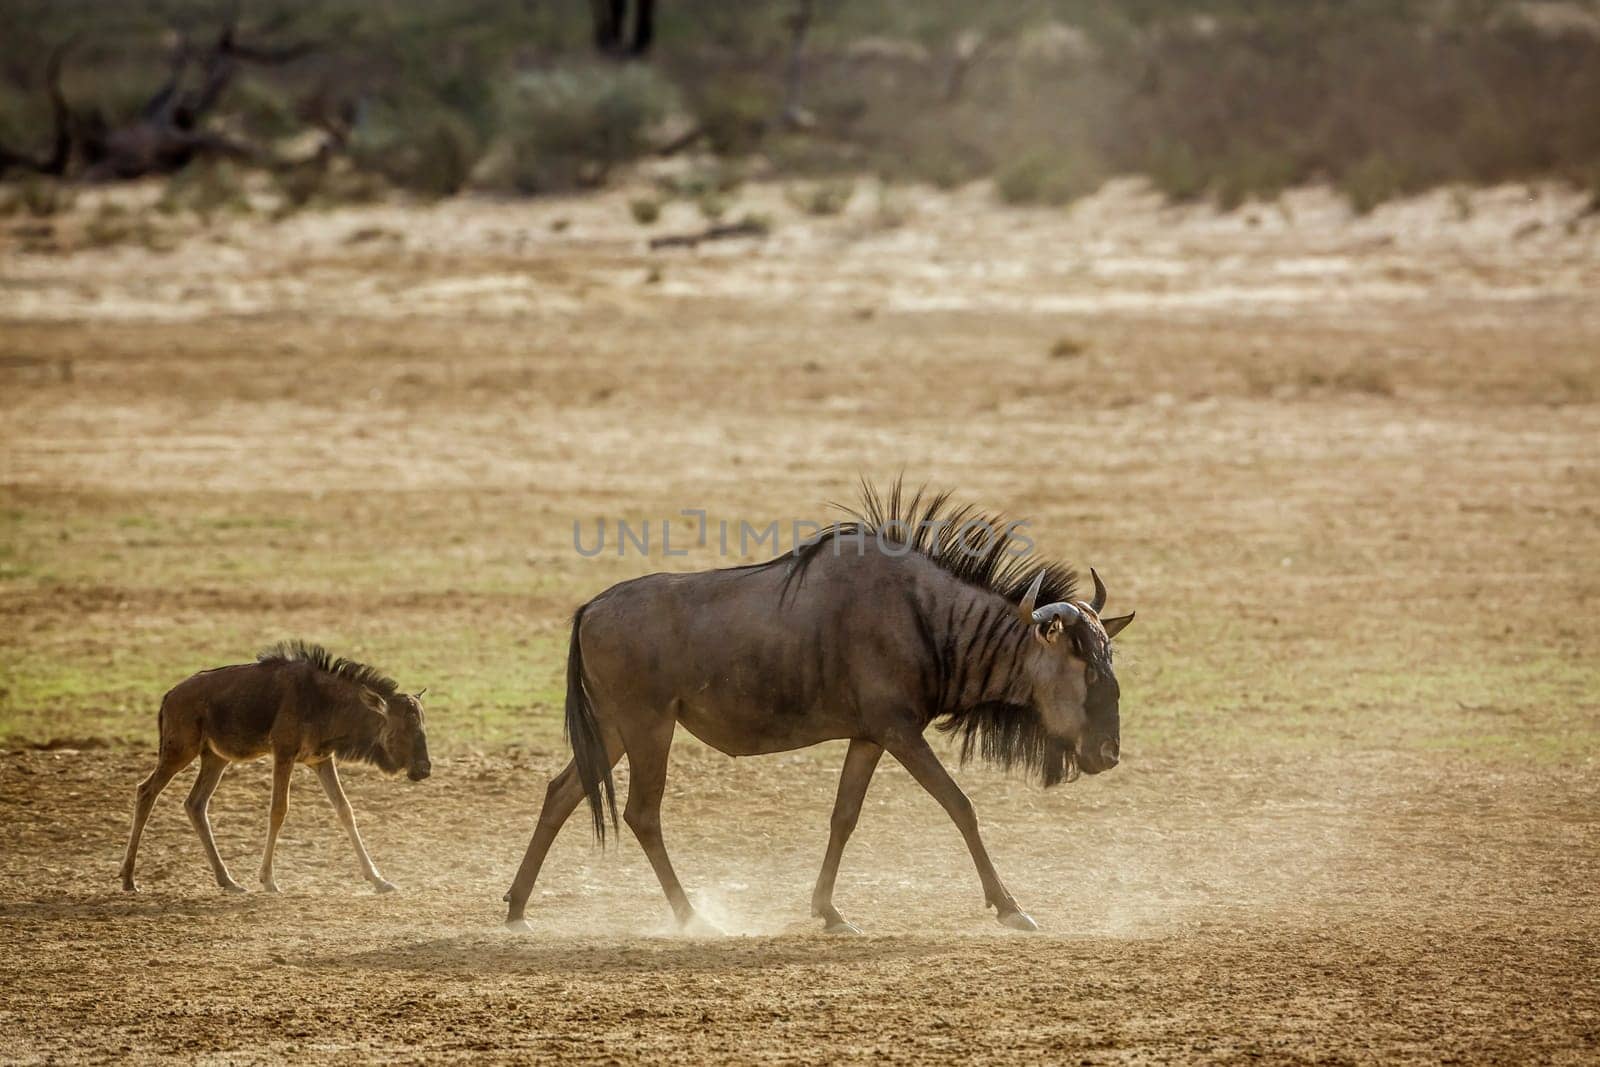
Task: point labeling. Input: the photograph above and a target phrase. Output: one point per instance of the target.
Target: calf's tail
(583, 734)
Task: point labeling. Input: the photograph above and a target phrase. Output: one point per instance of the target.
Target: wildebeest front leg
(198, 805)
(328, 774)
(918, 758)
(859, 763)
(282, 768)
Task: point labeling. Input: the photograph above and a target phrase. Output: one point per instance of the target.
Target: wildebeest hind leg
(561, 796)
(918, 758)
(198, 805)
(647, 780)
(859, 763)
(173, 758)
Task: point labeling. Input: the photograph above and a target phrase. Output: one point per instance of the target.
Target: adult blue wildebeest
(912, 613)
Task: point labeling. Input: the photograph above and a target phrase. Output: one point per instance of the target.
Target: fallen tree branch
(743, 228)
(166, 133)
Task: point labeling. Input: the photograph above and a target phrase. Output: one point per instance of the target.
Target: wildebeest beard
(368, 750)
(1013, 735)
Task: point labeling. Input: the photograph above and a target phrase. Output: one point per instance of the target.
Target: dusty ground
(1344, 468)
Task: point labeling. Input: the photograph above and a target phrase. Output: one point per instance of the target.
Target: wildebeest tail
(583, 734)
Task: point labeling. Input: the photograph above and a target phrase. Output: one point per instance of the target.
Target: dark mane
(320, 658)
(980, 548)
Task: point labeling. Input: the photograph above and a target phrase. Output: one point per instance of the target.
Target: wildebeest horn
(1040, 616)
(1032, 597)
(1067, 613)
(1099, 601)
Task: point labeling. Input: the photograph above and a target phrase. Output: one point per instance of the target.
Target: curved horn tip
(1099, 601)
(1025, 609)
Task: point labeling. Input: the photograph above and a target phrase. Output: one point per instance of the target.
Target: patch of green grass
(124, 598)
(1320, 691)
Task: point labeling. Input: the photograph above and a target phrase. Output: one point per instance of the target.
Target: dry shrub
(568, 128)
(821, 198)
(420, 146)
(1047, 177)
(645, 210)
(204, 189)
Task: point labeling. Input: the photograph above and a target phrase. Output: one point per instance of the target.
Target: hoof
(1017, 920)
(230, 887)
(270, 887)
(519, 926)
(841, 926)
(383, 886)
(129, 887)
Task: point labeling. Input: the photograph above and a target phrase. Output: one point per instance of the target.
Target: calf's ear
(1117, 625)
(374, 701)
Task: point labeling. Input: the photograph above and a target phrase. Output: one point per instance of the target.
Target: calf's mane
(348, 669)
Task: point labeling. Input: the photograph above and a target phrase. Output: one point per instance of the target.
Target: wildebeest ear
(1051, 630)
(1115, 626)
(374, 701)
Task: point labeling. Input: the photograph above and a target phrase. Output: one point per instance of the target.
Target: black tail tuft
(588, 748)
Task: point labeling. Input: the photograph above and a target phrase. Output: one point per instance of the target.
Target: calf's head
(401, 737)
(1074, 684)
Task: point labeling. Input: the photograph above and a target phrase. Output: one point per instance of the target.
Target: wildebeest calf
(299, 703)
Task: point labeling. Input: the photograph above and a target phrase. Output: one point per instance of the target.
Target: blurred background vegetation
(1222, 99)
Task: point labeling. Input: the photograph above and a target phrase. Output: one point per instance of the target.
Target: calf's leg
(198, 805)
(859, 763)
(172, 759)
(918, 758)
(282, 768)
(328, 774)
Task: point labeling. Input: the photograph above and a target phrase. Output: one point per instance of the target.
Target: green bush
(1371, 182)
(566, 129)
(317, 185)
(263, 111)
(706, 177)
(1046, 177)
(734, 109)
(645, 210)
(422, 146)
(822, 198)
(207, 189)
(1222, 98)
(44, 197)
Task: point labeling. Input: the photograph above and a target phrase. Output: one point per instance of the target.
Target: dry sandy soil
(1344, 468)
